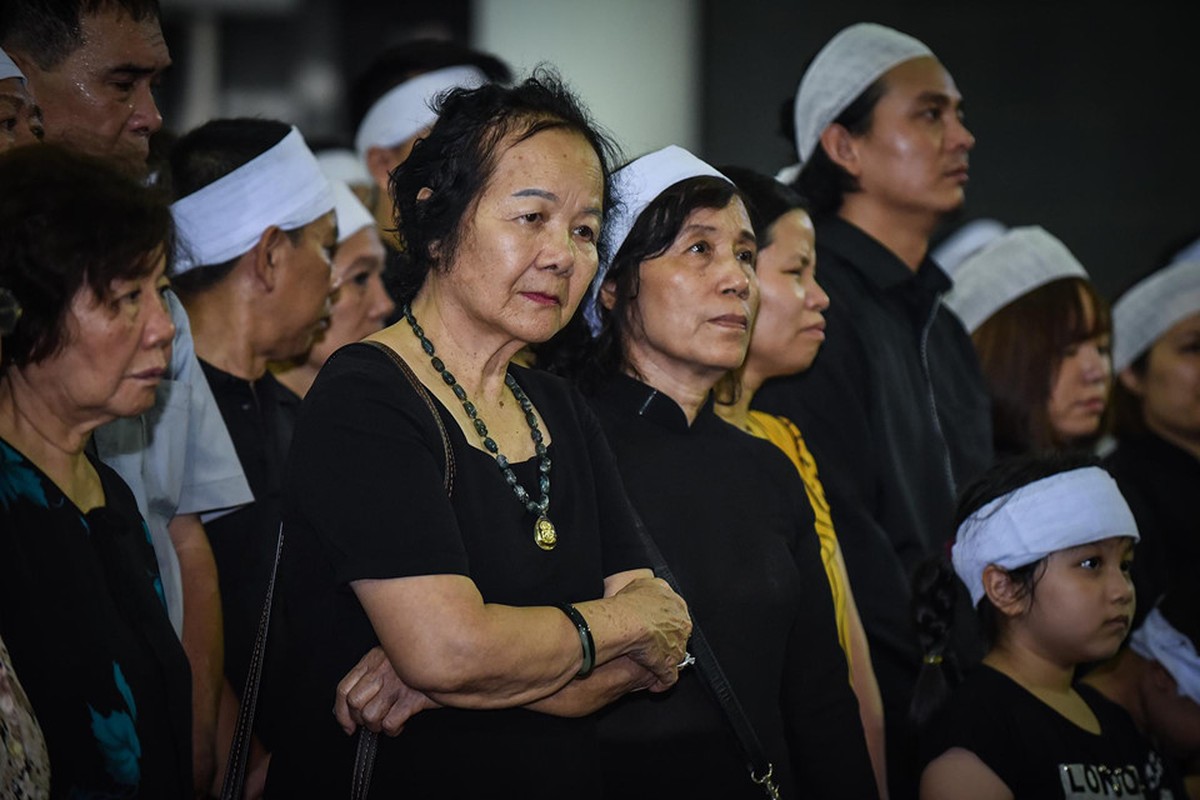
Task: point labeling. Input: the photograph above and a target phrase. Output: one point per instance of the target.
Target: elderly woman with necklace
(455, 565)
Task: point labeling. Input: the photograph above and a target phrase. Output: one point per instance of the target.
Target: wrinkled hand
(374, 696)
(664, 616)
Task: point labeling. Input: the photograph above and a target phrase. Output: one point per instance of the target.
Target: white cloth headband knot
(848, 63)
(1158, 640)
(1009, 266)
(637, 185)
(406, 110)
(352, 215)
(1148, 310)
(283, 187)
(8, 68)
(1026, 525)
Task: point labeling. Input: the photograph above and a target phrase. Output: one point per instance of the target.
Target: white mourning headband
(967, 240)
(849, 62)
(1026, 525)
(636, 185)
(1148, 309)
(1011, 265)
(406, 110)
(1158, 640)
(352, 215)
(8, 68)
(343, 164)
(283, 187)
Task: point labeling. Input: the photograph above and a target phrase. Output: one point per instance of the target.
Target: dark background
(1085, 117)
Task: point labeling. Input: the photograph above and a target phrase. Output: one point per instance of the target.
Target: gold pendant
(543, 533)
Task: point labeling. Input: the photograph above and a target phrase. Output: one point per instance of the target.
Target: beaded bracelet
(585, 639)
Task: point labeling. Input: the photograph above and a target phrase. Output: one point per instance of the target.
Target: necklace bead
(545, 535)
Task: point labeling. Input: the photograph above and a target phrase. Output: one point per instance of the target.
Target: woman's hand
(667, 625)
(373, 695)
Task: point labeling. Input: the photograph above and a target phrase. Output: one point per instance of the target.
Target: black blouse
(731, 517)
(364, 498)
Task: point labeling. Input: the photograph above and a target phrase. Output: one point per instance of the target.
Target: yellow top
(782, 433)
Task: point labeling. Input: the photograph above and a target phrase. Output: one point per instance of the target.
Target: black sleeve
(366, 473)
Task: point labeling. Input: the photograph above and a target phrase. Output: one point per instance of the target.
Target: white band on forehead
(636, 185)
(407, 110)
(283, 187)
(8, 68)
(850, 62)
(352, 215)
(1158, 640)
(1009, 266)
(343, 164)
(1147, 310)
(1026, 525)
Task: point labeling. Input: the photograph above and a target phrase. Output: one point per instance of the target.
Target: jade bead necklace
(544, 534)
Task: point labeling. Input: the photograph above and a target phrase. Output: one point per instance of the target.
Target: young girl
(1044, 546)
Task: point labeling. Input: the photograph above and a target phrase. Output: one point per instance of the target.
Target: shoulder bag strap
(761, 769)
(235, 772)
(235, 769)
(364, 760)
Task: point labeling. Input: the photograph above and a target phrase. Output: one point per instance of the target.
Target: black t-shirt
(1039, 753)
(731, 517)
(84, 619)
(243, 541)
(365, 498)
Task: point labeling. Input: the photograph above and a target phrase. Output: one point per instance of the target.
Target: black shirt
(731, 517)
(1040, 754)
(896, 411)
(365, 499)
(243, 542)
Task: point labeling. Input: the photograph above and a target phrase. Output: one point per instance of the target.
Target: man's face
(100, 97)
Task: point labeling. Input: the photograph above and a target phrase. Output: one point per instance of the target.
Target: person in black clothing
(256, 229)
(1157, 458)
(895, 408)
(673, 311)
(82, 612)
(1044, 545)
(504, 581)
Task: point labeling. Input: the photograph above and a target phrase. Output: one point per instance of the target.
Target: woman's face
(1083, 603)
(529, 249)
(360, 301)
(116, 351)
(790, 325)
(1079, 389)
(1170, 386)
(690, 321)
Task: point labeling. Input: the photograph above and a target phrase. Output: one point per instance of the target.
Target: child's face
(1083, 603)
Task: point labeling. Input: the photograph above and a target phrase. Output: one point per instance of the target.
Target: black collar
(874, 261)
(643, 400)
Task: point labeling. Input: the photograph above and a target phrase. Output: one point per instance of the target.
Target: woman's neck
(296, 377)
(478, 362)
(38, 425)
(1187, 444)
(737, 412)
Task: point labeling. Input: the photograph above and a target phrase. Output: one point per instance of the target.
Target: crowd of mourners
(478, 457)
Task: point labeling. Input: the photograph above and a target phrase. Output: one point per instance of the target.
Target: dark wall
(1085, 120)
